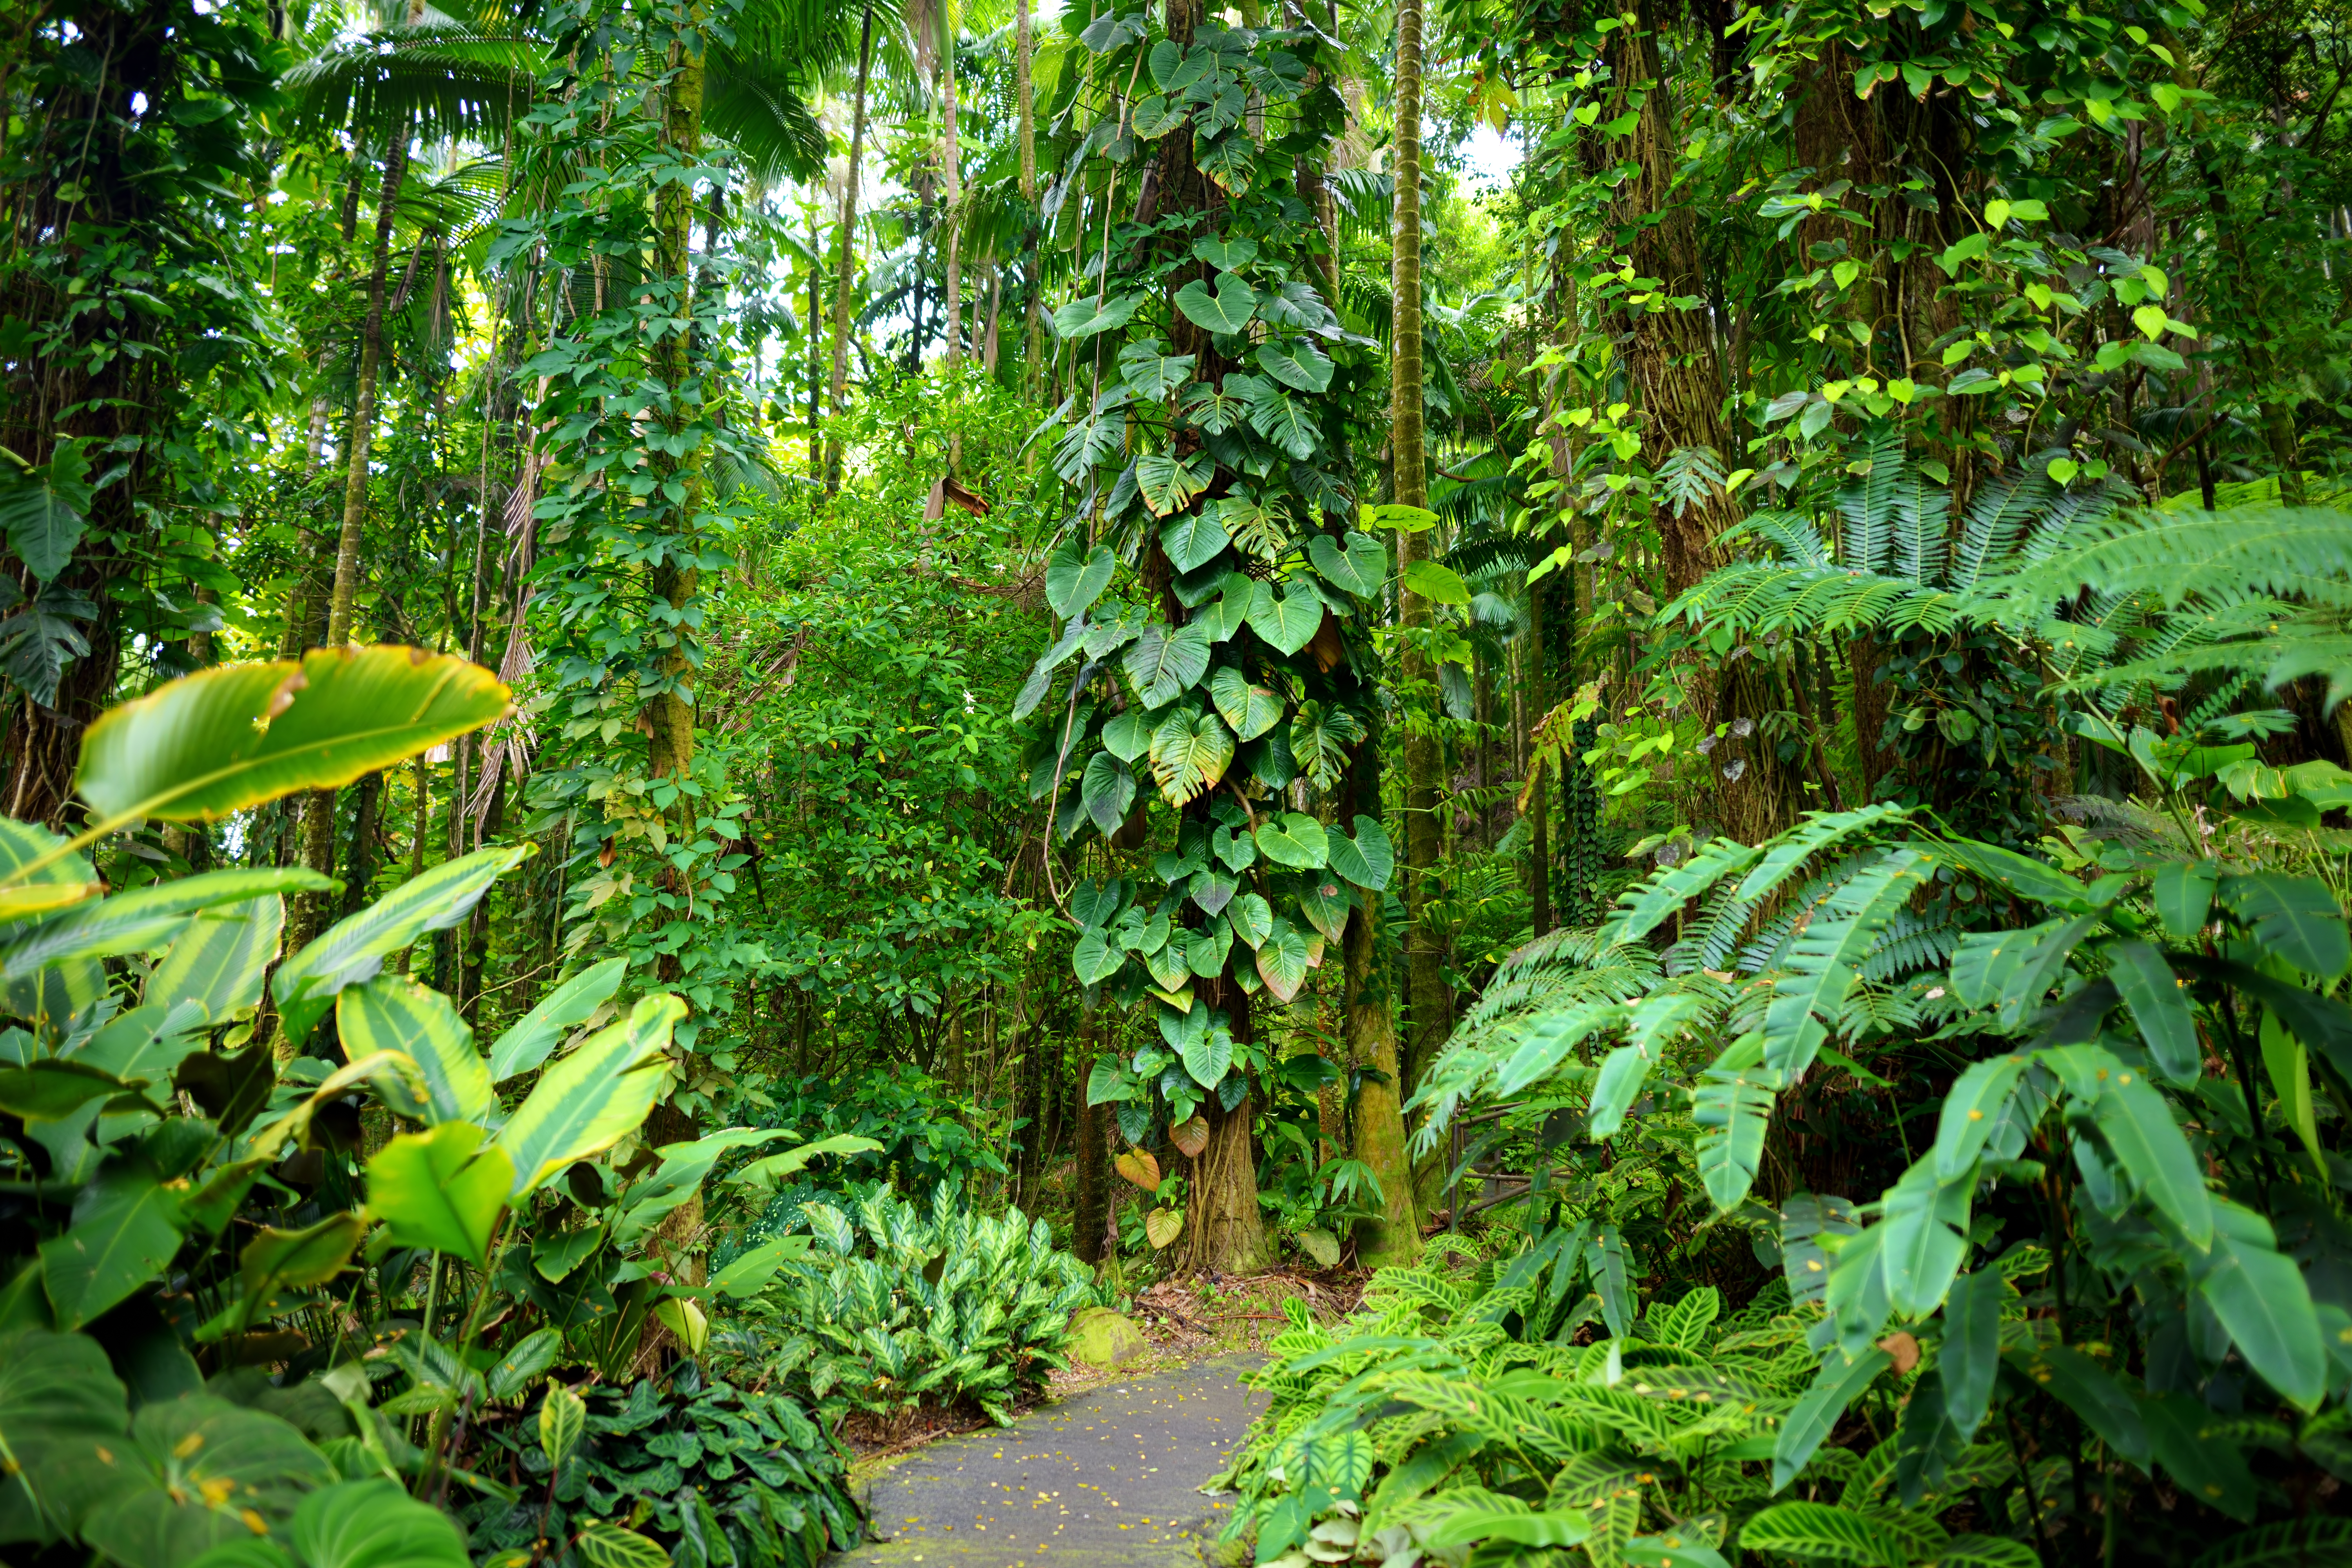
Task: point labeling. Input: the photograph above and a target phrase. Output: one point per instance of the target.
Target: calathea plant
(1211, 582)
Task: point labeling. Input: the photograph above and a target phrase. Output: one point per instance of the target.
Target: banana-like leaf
(441, 1189)
(353, 950)
(225, 739)
(528, 1040)
(219, 961)
(391, 1012)
(145, 918)
(592, 1097)
(1809, 1425)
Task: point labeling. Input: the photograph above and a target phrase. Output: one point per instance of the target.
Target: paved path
(1111, 1477)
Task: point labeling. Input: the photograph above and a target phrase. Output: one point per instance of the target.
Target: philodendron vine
(1212, 588)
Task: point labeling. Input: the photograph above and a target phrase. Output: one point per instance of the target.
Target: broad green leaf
(2204, 1462)
(679, 1177)
(125, 1229)
(1325, 902)
(1155, 117)
(2261, 1298)
(1531, 1529)
(374, 1524)
(2182, 891)
(1084, 318)
(1295, 839)
(1190, 753)
(764, 1175)
(1296, 362)
(219, 961)
(1732, 1106)
(2090, 1391)
(562, 1418)
(1252, 919)
(531, 1355)
(1605, 1261)
(1282, 961)
(276, 1260)
(1195, 538)
(2160, 1007)
(145, 1045)
(1107, 789)
(1095, 960)
(42, 520)
(2284, 1062)
(1926, 1223)
(441, 1189)
(183, 1455)
(1439, 585)
(1209, 1058)
(1075, 578)
(1278, 417)
(528, 1040)
(1360, 567)
(1971, 1359)
(1984, 961)
(1547, 1039)
(1224, 312)
(354, 950)
(1128, 735)
(2011, 872)
(59, 1403)
(145, 918)
(57, 882)
(1226, 255)
(1163, 663)
(591, 1099)
(391, 1012)
(2137, 1124)
(1822, 1531)
(1167, 483)
(1041, 674)
(1249, 710)
(1287, 621)
(1971, 1109)
(2040, 966)
(1675, 1548)
(1368, 858)
(1809, 1425)
(1805, 1219)
(51, 1090)
(1237, 851)
(751, 1271)
(2294, 916)
(1230, 612)
(225, 739)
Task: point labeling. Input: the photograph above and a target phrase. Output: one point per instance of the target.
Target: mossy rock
(1101, 1337)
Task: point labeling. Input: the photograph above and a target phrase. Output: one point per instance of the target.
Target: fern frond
(1869, 507)
(1922, 514)
(1997, 518)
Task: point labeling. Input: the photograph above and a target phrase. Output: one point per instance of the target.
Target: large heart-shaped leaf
(1194, 539)
(588, 1101)
(1368, 858)
(1075, 578)
(1228, 159)
(1285, 621)
(60, 1403)
(1325, 901)
(353, 950)
(1096, 958)
(374, 1525)
(125, 1229)
(1085, 318)
(1282, 961)
(1150, 373)
(1189, 753)
(1226, 311)
(1156, 116)
(1249, 710)
(1230, 612)
(199, 1472)
(391, 1013)
(44, 512)
(1209, 1058)
(1287, 422)
(1137, 1166)
(1107, 790)
(1296, 363)
(225, 739)
(1164, 662)
(441, 1189)
(1252, 919)
(1161, 1226)
(1359, 566)
(528, 1040)
(1295, 839)
(1226, 255)
(1167, 482)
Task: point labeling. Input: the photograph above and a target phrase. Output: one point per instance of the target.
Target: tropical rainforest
(712, 707)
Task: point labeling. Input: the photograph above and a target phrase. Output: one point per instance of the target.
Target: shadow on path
(1109, 1477)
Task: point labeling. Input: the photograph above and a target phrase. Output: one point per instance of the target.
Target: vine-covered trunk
(1367, 1010)
(1223, 1231)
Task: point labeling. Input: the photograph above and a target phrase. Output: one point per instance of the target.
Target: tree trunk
(1430, 1003)
(1223, 1231)
(951, 212)
(1369, 1021)
(841, 253)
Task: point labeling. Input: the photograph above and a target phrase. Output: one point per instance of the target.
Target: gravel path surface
(1109, 1477)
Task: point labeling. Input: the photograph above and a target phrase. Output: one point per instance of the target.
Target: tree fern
(1824, 961)
(1870, 507)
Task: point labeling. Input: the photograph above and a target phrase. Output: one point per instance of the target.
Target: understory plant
(235, 1327)
(890, 1305)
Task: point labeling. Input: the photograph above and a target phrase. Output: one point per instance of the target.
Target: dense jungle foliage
(712, 706)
